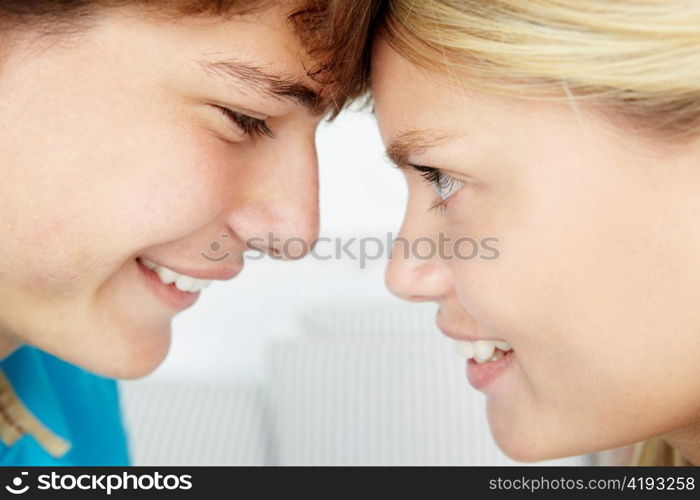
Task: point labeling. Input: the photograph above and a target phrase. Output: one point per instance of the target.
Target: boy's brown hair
(335, 33)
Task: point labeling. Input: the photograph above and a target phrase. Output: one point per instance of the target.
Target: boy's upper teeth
(480, 350)
(182, 282)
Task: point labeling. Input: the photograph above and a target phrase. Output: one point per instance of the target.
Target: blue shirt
(53, 413)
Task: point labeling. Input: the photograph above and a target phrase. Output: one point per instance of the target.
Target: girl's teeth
(182, 282)
(503, 346)
(482, 350)
(464, 349)
(497, 354)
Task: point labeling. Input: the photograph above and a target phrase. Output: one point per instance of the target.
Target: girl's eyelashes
(252, 127)
(445, 185)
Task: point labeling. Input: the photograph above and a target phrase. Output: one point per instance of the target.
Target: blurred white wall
(361, 195)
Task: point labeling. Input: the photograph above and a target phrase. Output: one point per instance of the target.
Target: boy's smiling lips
(222, 273)
(177, 288)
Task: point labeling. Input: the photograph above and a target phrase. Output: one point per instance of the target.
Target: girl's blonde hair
(637, 61)
(656, 451)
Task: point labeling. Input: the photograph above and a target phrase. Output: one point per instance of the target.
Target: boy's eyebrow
(284, 88)
(413, 143)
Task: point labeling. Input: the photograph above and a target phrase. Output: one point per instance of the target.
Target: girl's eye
(252, 127)
(445, 186)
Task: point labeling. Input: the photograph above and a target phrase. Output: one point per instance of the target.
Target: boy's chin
(128, 357)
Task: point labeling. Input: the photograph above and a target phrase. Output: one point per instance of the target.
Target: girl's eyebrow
(284, 88)
(413, 143)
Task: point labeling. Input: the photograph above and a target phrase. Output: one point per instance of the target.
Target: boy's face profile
(142, 139)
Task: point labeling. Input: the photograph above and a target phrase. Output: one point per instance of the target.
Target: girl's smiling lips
(454, 333)
(480, 375)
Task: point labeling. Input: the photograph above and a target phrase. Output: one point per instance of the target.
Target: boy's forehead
(264, 49)
(320, 44)
(297, 88)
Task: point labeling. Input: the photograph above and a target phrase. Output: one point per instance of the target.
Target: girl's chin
(516, 436)
(533, 441)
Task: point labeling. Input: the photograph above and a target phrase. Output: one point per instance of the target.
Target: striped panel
(377, 401)
(394, 319)
(175, 423)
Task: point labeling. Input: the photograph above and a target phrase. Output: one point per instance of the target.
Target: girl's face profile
(597, 281)
(139, 139)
